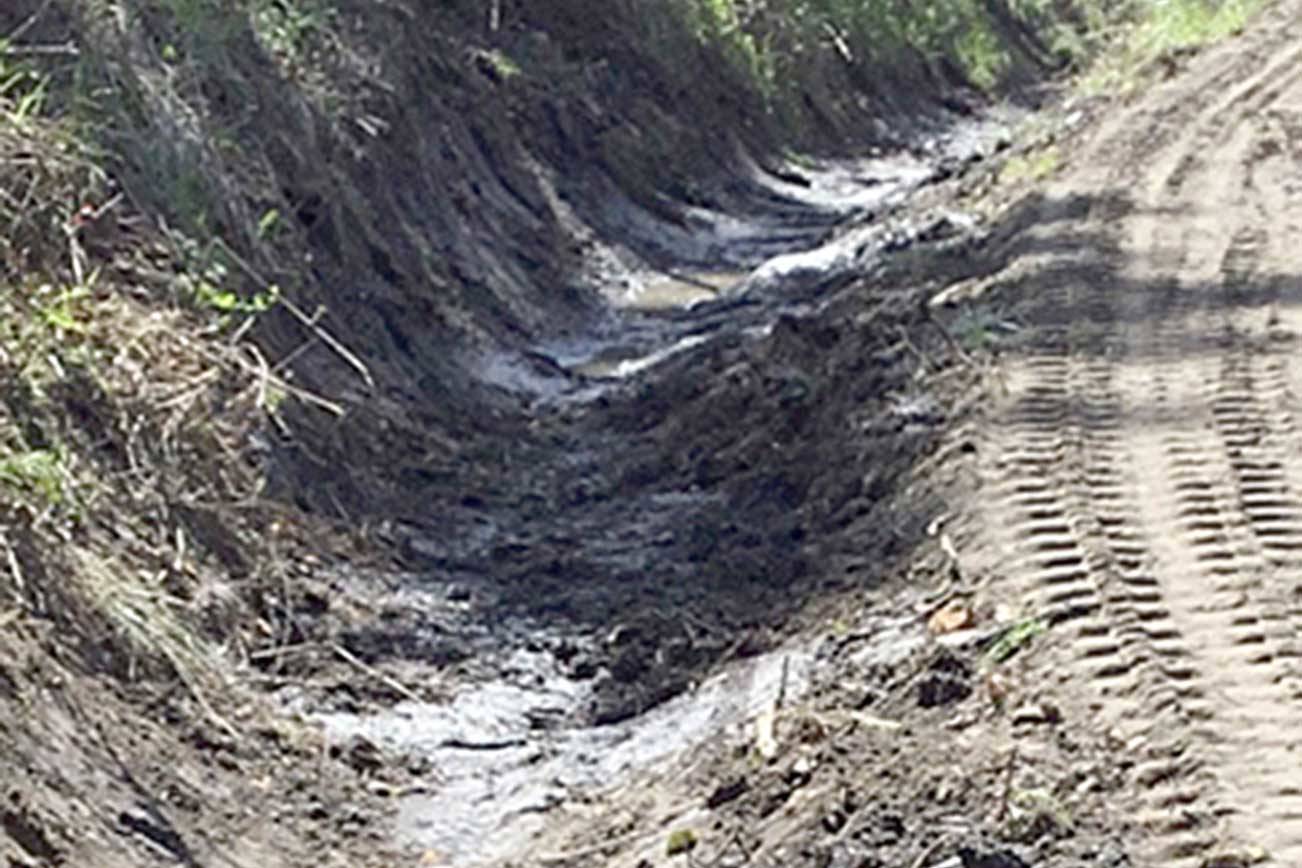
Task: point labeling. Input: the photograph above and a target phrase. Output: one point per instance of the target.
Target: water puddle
(499, 771)
(614, 363)
(500, 766)
(505, 751)
(677, 290)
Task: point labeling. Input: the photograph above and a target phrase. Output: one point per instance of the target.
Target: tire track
(1153, 472)
(1215, 494)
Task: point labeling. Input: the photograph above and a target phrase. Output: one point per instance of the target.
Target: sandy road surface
(1142, 476)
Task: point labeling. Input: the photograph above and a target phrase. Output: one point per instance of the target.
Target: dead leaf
(950, 618)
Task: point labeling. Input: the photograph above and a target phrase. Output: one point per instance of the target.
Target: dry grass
(133, 430)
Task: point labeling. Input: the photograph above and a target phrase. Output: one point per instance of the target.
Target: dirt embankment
(438, 185)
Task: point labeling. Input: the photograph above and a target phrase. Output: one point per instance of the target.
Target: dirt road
(1142, 474)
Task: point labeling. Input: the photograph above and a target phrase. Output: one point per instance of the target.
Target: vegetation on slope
(129, 417)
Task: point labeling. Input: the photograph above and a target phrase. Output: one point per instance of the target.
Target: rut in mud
(1147, 455)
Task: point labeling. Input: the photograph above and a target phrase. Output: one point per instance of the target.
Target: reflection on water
(669, 291)
(498, 771)
(615, 363)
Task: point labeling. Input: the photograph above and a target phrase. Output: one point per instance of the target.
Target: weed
(268, 223)
(1035, 813)
(1159, 32)
(290, 28)
(61, 315)
(1035, 165)
(225, 301)
(500, 65)
(1013, 639)
(35, 472)
(680, 841)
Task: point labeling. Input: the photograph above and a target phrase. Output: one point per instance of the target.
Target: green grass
(1032, 166)
(37, 471)
(792, 48)
(776, 52)
(1013, 639)
(1161, 31)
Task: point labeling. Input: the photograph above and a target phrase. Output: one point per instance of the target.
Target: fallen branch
(65, 50)
(308, 322)
(387, 680)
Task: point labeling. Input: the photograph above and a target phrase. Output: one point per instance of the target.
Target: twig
(951, 552)
(266, 377)
(308, 322)
(14, 568)
(199, 697)
(928, 853)
(179, 561)
(500, 744)
(723, 851)
(351, 659)
(838, 42)
(302, 394)
(1008, 784)
(293, 356)
(65, 50)
(782, 685)
(688, 279)
(78, 257)
(29, 23)
(282, 650)
(923, 358)
(329, 340)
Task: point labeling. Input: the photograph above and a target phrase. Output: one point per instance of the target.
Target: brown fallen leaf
(950, 618)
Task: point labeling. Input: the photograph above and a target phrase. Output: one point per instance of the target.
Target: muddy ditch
(728, 451)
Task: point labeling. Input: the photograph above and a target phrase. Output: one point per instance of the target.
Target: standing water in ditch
(517, 738)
